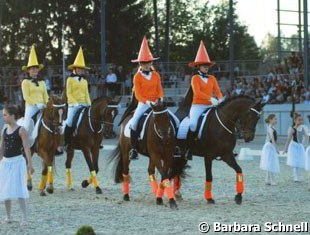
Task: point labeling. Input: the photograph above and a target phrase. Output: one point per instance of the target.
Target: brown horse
(159, 147)
(97, 119)
(218, 138)
(48, 140)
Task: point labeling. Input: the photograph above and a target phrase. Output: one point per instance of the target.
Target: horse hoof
(159, 201)
(98, 190)
(50, 190)
(43, 194)
(29, 187)
(71, 189)
(85, 184)
(238, 198)
(126, 198)
(211, 201)
(173, 204)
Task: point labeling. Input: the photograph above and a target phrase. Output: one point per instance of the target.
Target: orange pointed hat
(145, 54)
(202, 57)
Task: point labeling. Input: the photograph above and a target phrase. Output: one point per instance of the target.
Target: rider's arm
(69, 91)
(138, 89)
(26, 93)
(216, 89)
(160, 87)
(88, 101)
(45, 95)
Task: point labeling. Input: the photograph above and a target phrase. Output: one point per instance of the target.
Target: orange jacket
(204, 91)
(147, 89)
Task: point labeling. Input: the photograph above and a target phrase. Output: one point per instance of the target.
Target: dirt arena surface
(63, 212)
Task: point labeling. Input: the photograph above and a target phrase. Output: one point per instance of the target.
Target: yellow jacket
(34, 94)
(77, 91)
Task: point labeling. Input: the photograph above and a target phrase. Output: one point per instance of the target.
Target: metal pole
(306, 49)
(156, 28)
(167, 29)
(1, 12)
(103, 36)
(299, 27)
(231, 43)
(63, 57)
(279, 32)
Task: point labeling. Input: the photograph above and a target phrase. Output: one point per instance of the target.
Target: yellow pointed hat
(32, 61)
(79, 61)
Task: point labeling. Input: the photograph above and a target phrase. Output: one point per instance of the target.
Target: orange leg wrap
(153, 183)
(168, 189)
(160, 190)
(208, 190)
(69, 177)
(239, 183)
(176, 183)
(126, 184)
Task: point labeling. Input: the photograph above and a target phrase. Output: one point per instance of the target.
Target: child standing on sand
(13, 169)
(269, 159)
(294, 148)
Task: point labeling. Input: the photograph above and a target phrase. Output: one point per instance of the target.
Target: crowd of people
(283, 84)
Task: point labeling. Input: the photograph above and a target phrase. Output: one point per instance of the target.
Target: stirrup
(133, 155)
(189, 155)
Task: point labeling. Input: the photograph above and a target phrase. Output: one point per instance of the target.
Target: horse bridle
(155, 128)
(101, 122)
(232, 132)
(55, 127)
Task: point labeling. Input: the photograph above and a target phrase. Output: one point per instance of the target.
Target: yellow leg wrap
(152, 178)
(69, 178)
(42, 182)
(94, 179)
(90, 180)
(29, 178)
(50, 175)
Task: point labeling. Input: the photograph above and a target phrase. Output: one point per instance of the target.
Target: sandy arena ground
(64, 212)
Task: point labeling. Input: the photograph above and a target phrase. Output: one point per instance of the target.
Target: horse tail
(116, 157)
(179, 167)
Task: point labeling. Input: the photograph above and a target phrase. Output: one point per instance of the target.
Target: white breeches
(140, 110)
(30, 110)
(194, 114)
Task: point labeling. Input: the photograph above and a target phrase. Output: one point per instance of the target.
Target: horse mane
(232, 98)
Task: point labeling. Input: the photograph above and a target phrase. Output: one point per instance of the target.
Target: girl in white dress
(269, 159)
(294, 148)
(13, 169)
(307, 166)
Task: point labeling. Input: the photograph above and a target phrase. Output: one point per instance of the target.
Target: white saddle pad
(127, 127)
(184, 126)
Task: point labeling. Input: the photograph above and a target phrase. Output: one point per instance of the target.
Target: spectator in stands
(111, 81)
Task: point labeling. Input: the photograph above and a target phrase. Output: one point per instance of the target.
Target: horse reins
(51, 121)
(100, 122)
(226, 128)
(155, 128)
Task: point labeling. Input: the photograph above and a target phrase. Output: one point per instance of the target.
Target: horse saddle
(141, 127)
(202, 120)
(142, 124)
(77, 119)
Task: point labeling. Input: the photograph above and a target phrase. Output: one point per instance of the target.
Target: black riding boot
(68, 137)
(133, 154)
(190, 139)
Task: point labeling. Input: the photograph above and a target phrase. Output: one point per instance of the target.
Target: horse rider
(203, 86)
(77, 93)
(33, 89)
(147, 89)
